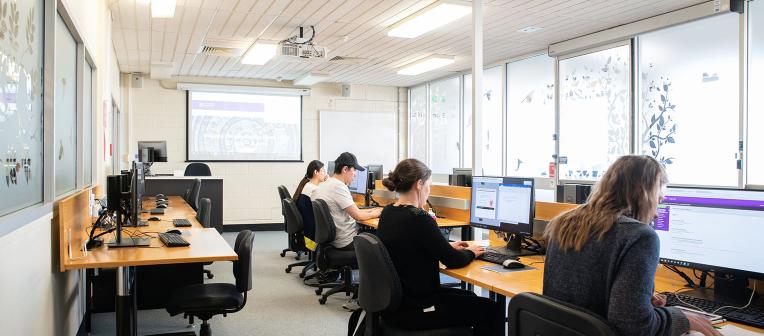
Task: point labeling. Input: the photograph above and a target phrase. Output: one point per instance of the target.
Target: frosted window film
(418, 123)
(755, 143)
(444, 125)
(530, 116)
(594, 112)
(21, 113)
(244, 127)
(65, 128)
(689, 115)
(492, 121)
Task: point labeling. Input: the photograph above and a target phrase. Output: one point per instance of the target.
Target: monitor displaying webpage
(497, 201)
(719, 228)
(359, 183)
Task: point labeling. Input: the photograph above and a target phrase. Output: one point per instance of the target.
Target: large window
(21, 109)
(689, 84)
(444, 125)
(418, 123)
(492, 121)
(594, 111)
(755, 143)
(530, 116)
(244, 127)
(65, 128)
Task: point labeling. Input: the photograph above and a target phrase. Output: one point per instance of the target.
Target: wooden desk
(74, 222)
(442, 223)
(206, 243)
(503, 285)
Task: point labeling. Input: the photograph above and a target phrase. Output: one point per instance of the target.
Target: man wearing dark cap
(341, 205)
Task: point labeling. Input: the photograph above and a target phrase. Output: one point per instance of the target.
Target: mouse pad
(501, 269)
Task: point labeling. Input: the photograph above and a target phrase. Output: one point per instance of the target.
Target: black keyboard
(181, 222)
(752, 316)
(172, 240)
(496, 258)
(156, 211)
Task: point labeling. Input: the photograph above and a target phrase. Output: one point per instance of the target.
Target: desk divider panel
(72, 214)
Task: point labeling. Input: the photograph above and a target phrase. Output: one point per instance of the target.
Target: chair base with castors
(345, 286)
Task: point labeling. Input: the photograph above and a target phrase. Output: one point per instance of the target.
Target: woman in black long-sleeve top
(415, 244)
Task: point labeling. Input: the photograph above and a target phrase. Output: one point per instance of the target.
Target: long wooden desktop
(507, 285)
(74, 222)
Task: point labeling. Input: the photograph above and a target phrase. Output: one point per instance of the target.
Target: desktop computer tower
(573, 193)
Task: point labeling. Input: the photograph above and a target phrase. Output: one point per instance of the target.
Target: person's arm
(361, 215)
(436, 245)
(630, 311)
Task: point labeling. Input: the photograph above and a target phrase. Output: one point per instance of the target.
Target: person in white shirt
(343, 209)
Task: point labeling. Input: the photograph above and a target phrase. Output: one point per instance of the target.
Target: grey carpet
(279, 303)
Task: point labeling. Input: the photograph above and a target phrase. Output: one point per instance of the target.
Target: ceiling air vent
(224, 47)
(347, 60)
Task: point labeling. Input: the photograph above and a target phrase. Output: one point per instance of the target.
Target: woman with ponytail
(416, 246)
(315, 174)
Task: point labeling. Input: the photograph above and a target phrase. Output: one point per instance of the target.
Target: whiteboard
(371, 136)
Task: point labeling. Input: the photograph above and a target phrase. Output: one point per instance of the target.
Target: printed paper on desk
(731, 330)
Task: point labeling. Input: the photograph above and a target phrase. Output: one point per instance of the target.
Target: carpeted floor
(279, 303)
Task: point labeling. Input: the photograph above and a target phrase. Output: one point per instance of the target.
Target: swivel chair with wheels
(294, 224)
(203, 216)
(207, 300)
(380, 290)
(284, 194)
(192, 195)
(197, 169)
(531, 314)
(328, 258)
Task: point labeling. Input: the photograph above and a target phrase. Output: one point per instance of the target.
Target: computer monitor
(715, 230)
(504, 204)
(377, 170)
(130, 210)
(330, 168)
(360, 183)
(152, 151)
(137, 187)
(461, 177)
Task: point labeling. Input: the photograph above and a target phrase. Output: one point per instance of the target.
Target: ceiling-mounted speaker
(136, 80)
(345, 90)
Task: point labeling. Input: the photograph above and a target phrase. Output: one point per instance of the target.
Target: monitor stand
(728, 289)
(513, 248)
(130, 242)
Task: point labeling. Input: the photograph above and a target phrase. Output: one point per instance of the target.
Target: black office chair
(207, 300)
(380, 290)
(203, 216)
(330, 259)
(197, 169)
(284, 194)
(531, 314)
(294, 225)
(192, 195)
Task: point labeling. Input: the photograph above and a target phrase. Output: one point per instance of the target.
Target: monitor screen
(502, 204)
(152, 151)
(359, 184)
(712, 229)
(378, 171)
(330, 168)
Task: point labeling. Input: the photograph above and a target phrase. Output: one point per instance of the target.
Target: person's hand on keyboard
(701, 324)
(658, 300)
(477, 250)
(459, 245)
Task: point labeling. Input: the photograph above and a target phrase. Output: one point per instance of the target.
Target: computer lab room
(382, 167)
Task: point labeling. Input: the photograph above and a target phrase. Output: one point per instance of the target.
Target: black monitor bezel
(706, 267)
(522, 228)
(381, 170)
(159, 153)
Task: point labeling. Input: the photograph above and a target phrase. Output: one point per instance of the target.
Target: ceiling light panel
(429, 18)
(426, 64)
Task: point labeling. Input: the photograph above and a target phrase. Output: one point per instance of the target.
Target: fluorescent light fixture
(162, 9)
(429, 18)
(426, 64)
(311, 79)
(260, 53)
(530, 29)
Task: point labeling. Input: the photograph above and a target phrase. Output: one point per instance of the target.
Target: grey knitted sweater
(614, 279)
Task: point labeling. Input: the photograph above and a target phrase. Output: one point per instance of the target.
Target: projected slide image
(228, 126)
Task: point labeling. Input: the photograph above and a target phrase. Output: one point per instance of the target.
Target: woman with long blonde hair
(602, 256)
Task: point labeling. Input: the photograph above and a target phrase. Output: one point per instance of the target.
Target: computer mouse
(161, 206)
(511, 264)
(154, 218)
(175, 231)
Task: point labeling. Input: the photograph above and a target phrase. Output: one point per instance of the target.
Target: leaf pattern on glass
(13, 24)
(659, 129)
(31, 29)
(3, 13)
